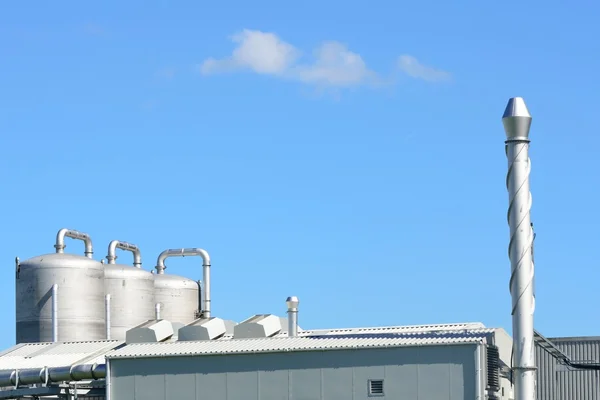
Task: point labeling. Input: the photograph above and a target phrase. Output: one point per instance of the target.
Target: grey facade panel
(408, 373)
(555, 382)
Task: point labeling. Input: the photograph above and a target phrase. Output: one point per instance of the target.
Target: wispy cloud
(332, 64)
(415, 69)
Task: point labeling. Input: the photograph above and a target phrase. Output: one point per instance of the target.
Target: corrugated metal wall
(555, 382)
(407, 373)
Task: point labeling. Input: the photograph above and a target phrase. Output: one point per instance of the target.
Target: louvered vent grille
(493, 368)
(376, 387)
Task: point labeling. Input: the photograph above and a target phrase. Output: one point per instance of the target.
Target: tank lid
(258, 326)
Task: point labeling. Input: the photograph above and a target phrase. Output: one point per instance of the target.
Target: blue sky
(346, 153)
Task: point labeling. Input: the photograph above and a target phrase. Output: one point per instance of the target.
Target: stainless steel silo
(131, 291)
(78, 286)
(179, 297)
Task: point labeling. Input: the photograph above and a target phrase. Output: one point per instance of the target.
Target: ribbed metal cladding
(555, 382)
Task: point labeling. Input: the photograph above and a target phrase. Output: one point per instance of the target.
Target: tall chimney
(517, 121)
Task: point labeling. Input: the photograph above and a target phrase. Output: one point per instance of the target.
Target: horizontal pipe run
(52, 375)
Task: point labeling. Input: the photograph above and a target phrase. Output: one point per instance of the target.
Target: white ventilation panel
(203, 329)
(258, 326)
(150, 332)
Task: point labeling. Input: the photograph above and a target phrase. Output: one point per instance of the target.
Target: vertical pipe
(157, 311)
(107, 315)
(55, 313)
(517, 122)
(107, 393)
(478, 373)
(292, 311)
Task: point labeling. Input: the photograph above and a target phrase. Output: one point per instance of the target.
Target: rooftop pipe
(117, 244)
(73, 234)
(160, 269)
(517, 122)
(292, 303)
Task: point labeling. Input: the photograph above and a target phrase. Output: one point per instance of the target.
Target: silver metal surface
(107, 315)
(37, 355)
(160, 268)
(556, 381)
(301, 343)
(178, 297)
(73, 234)
(117, 244)
(478, 374)
(131, 290)
(80, 299)
(55, 313)
(292, 303)
(517, 121)
(54, 374)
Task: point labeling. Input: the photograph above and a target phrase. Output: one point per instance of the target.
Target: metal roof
(338, 341)
(378, 329)
(39, 355)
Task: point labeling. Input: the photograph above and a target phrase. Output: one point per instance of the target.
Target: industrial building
(97, 330)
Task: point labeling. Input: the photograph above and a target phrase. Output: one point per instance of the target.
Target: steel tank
(131, 291)
(76, 311)
(180, 298)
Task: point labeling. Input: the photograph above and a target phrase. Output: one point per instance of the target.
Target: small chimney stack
(292, 311)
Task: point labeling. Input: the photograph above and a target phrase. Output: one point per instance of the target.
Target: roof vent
(258, 326)
(149, 332)
(203, 329)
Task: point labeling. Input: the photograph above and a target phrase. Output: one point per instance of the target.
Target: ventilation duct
(202, 329)
(150, 332)
(258, 326)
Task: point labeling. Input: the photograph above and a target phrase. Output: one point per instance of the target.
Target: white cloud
(332, 64)
(413, 68)
(265, 53)
(261, 52)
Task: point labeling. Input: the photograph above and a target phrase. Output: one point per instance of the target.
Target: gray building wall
(409, 373)
(555, 382)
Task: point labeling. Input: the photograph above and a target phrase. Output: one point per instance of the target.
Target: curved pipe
(160, 269)
(117, 244)
(73, 234)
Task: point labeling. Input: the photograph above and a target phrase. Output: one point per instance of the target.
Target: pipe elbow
(204, 254)
(112, 251)
(73, 234)
(160, 262)
(117, 244)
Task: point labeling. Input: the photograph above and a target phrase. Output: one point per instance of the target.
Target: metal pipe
(117, 244)
(73, 234)
(292, 311)
(478, 374)
(517, 122)
(49, 375)
(107, 315)
(55, 313)
(107, 386)
(160, 269)
(157, 311)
